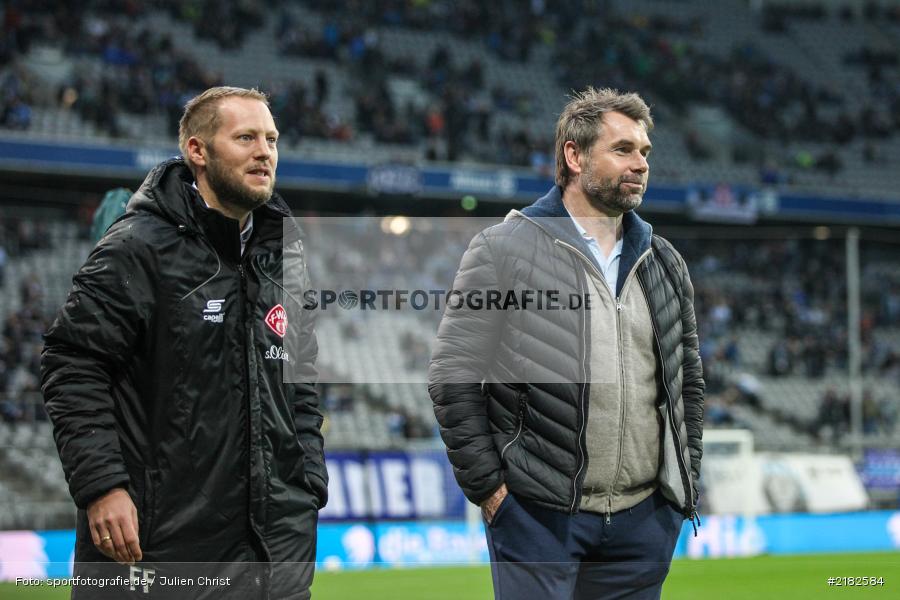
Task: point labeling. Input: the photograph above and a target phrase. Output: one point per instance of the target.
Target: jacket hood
(550, 214)
(168, 192)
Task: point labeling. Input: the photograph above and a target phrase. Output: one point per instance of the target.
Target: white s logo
(214, 306)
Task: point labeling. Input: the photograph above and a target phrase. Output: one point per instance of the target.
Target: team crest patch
(277, 320)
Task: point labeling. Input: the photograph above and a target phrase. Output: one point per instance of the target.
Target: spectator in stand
(15, 114)
(814, 357)
(872, 420)
(717, 409)
(337, 397)
(781, 360)
(833, 419)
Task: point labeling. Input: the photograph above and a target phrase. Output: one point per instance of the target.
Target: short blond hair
(201, 114)
(581, 118)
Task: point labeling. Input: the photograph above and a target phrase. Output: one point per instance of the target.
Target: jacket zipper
(250, 451)
(621, 367)
(521, 401)
(685, 477)
(243, 297)
(621, 357)
(622, 411)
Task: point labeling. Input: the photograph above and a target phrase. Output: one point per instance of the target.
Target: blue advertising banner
(726, 535)
(880, 469)
(702, 200)
(413, 484)
(361, 545)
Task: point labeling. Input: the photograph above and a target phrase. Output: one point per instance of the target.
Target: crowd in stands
(831, 422)
(795, 289)
(20, 355)
(344, 397)
(508, 28)
(456, 121)
(21, 337)
(226, 22)
(18, 237)
(142, 72)
(769, 99)
(777, 17)
(879, 415)
(589, 44)
(635, 53)
(22, 330)
(796, 300)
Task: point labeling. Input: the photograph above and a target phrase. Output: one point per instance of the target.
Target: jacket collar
(168, 192)
(550, 214)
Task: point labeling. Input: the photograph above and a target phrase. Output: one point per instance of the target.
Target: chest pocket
(205, 323)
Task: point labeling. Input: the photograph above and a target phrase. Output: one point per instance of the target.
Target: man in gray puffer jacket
(573, 411)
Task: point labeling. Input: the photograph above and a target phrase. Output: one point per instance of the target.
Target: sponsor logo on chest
(277, 320)
(277, 353)
(214, 311)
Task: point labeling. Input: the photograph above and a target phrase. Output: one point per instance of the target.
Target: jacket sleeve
(693, 386)
(93, 336)
(466, 341)
(307, 416)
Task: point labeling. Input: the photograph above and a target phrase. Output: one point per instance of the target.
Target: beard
(606, 196)
(231, 190)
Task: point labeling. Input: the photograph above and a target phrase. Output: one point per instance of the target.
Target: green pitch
(770, 577)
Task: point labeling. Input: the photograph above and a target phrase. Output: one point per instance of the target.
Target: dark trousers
(542, 554)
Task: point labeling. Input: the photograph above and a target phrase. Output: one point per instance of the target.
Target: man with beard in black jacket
(179, 376)
(575, 421)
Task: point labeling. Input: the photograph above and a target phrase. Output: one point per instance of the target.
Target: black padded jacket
(163, 374)
(510, 389)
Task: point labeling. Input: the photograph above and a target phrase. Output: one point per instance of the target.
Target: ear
(573, 157)
(197, 152)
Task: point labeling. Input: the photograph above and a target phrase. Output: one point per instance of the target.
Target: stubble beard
(231, 190)
(606, 196)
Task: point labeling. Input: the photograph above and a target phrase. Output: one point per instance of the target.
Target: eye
(245, 137)
(272, 140)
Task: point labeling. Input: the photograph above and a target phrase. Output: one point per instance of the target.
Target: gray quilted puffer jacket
(510, 389)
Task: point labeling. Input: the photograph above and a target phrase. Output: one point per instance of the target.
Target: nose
(640, 164)
(262, 150)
